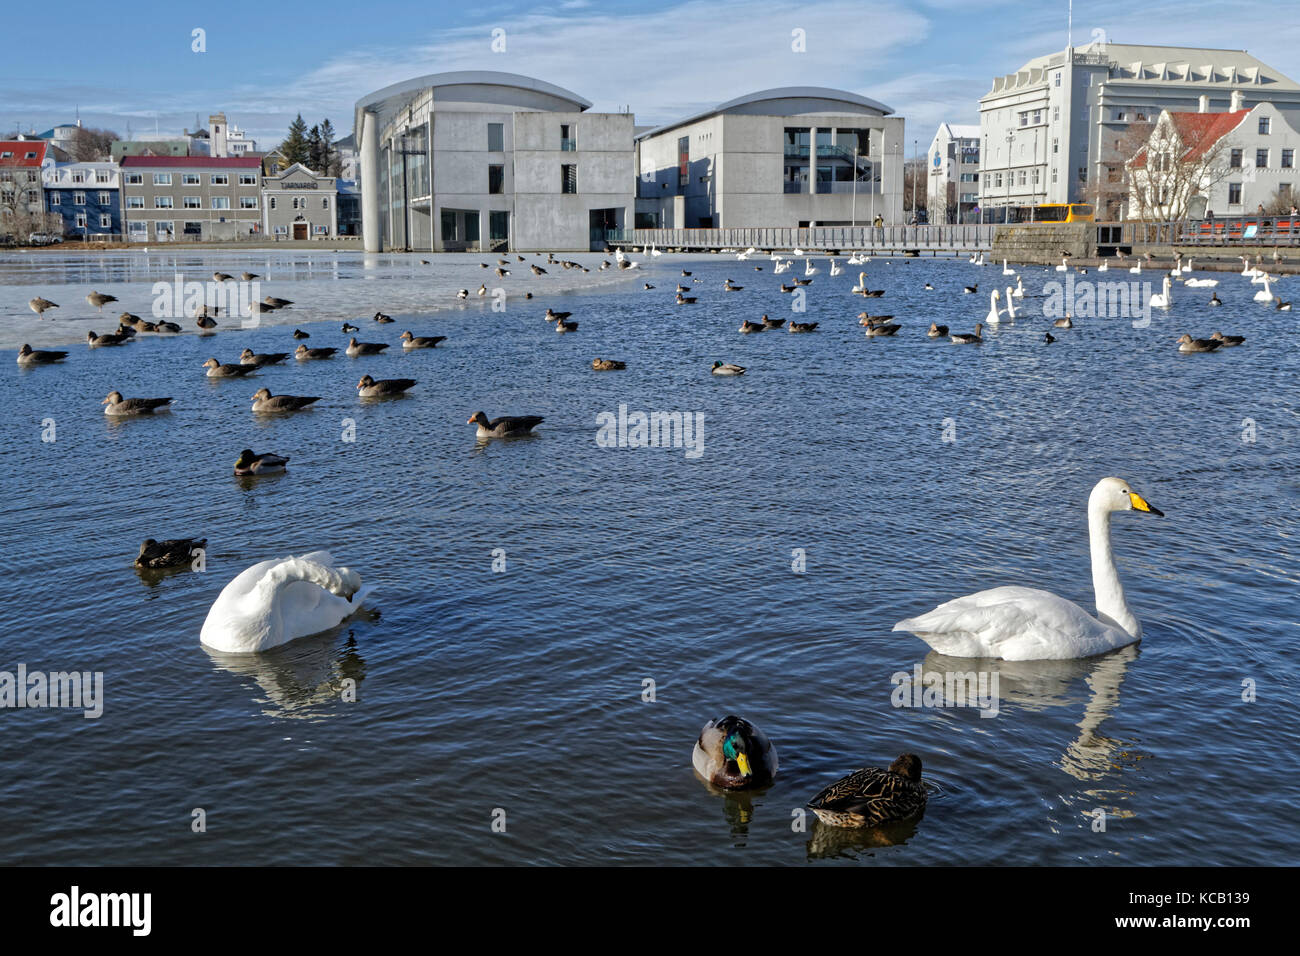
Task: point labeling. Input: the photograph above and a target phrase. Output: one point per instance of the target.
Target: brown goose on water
(302, 353)
(369, 388)
(108, 338)
(607, 365)
(249, 357)
(365, 348)
(217, 370)
(410, 341)
(115, 404)
(264, 401)
(30, 356)
(504, 427)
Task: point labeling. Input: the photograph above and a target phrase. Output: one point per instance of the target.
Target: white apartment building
(953, 175)
(1049, 131)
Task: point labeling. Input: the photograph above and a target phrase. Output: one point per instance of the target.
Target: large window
(496, 137)
(683, 162)
(1288, 158)
(1234, 159)
(247, 202)
(189, 179)
(568, 178)
(568, 142)
(797, 141)
(162, 202)
(248, 179)
(220, 202)
(135, 179)
(496, 179)
(1234, 194)
(1261, 158)
(78, 199)
(134, 202)
(192, 202)
(220, 179)
(162, 179)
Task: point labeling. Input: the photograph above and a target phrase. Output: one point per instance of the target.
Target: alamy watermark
(1090, 299)
(978, 689)
(651, 430)
(79, 690)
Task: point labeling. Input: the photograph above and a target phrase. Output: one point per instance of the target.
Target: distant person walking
(880, 227)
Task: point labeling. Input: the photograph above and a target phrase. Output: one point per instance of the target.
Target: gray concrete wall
(1043, 243)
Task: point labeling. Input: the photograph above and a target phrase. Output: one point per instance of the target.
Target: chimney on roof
(1237, 101)
(1204, 104)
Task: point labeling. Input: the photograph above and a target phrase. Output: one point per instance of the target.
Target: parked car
(43, 239)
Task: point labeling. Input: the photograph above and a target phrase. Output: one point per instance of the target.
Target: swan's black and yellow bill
(1141, 504)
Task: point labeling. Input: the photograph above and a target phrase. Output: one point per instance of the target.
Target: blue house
(88, 198)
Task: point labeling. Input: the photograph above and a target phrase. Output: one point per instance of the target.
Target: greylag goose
(410, 341)
(686, 299)
(40, 306)
(537, 270)
(264, 401)
(302, 353)
(883, 328)
(937, 331)
(1188, 344)
(115, 404)
(564, 325)
(747, 326)
(100, 299)
(1227, 341)
(873, 796)
(172, 553)
(30, 356)
(506, 426)
(772, 323)
(803, 326)
(356, 348)
(249, 357)
(221, 277)
(369, 388)
(276, 303)
(264, 464)
(217, 370)
(969, 338)
(249, 276)
(108, 338)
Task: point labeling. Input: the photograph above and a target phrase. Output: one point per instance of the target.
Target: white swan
(1246, 268)
(1025, 624)
(862, 283)
(1187, 268)
(1019, 291)
(1265, 294)
(1104, 267)
(1011, 305)
(276, 601)
(1006, 269)
(809, 269)
(1064, 266)
(654, 251)
(1164, 299)
(782, 267)
(1137, 269)
(798, 253)
(1199, 283)
(995, 314)
(836, 268)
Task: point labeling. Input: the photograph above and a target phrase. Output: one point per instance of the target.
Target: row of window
(1261, 158)
(79, 198)
(8, 154)
(101, 176)
(496, 138)
(191, 202)
(191, 179)
(497, 179)
(105, 222)
(7, 176)
(1234, 192)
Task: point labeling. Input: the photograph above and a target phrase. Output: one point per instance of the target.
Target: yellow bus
(1063, 212)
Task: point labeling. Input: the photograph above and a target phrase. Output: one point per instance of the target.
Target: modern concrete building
(1055, 130)
(191, 198)
(790, 157)
(952, 190)
(87, 197)
(299, 204)
(1227, 163)
(485, 160)
(349, 212)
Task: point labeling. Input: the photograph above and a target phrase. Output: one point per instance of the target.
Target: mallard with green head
(733, 754)
(873, 796)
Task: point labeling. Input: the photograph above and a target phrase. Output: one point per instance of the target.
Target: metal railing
(1231, 231)
(964, 237)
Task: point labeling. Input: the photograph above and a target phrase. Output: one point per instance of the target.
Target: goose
(507, 426)
(41, 306)
(300, 334)
(265, 464)
(356, 348)
(369, 388)
(380, 317)
(970, 289)
(1065, 323)
(410, 341)
(995, 313)
(281, 600)
(164, 326)
(1164, 299)
(249, 357)
(607, 365)
(173, 553)
(30, 356)
(865, 318)
(108, 338)
(553, 316)
(303, 354)
(100, 299)
(264, 401)
(747, 326)
(937, 331)
(836, 269)
(686, 299)
(968, 338)
(733, 754)
(1265, 294)
(564, 325)
(772, 323)
(1281, 306)
(1228, 341)
(129, 332)
(882, 328)
(221, 277)
(277, 303)
(803, 326)
(730, 287)
(1137, 269)
(260, 308)
(1006, 269)
(798, 281)
(537, 270)
(720, 368)
(1188, 344)
(809, 269)
(1048, 338)
(502, 273)
(249, 276)
(873, 796)
(349, 327)
(1023, 624)
(115, 404)
(217, 370)
(1214, 299)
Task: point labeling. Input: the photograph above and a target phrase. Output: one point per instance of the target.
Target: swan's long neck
(1111, 607)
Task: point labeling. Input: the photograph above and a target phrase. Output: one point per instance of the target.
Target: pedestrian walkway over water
(883, 240)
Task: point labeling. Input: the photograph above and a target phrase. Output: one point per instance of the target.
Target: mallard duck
(300, 334)
(109, 338)
(172, 553)
(205, 324)
(1188, 344)
(100, 299)
(265, 464)
(369, 388)
(41, 306)
(303, 354)
(937, 331)
(608, 365)
(873, 796)
(747, 326)
(969, 338)
(217, 370)
(803, 326)
(504, 427)
(410, 341)
(720, 368)
(356, 348)
(129, 318)
(249, 357)
(30, 356)
(1227, 341)
(733, 754)
(264, 401)
(126, 330)
(115, 404)
(206, 311)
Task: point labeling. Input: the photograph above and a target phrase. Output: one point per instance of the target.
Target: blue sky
(929, 59)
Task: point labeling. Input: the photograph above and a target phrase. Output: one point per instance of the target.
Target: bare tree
(1176, 165)
(21, 209)
(91, 145)
(1112, 184)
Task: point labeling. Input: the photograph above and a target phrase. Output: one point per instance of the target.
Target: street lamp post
(1006, 212)
(853, 215)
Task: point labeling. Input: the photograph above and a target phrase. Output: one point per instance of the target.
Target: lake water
(907, 470)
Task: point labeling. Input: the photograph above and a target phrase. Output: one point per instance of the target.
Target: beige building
(191, 198)
(299, 204)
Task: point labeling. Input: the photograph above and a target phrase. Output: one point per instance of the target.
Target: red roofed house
(22, 200)
(191, 198)
(1227, 163)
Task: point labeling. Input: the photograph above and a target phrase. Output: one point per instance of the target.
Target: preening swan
(279, 600)
(1023, 624)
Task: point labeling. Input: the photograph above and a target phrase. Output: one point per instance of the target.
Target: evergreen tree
(330, 160)
(314, 149)
(295, 145)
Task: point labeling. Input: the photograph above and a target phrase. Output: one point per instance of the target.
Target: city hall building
(491, 161)
(299, 204)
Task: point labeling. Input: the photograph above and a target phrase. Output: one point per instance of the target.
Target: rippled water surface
(522, 691)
